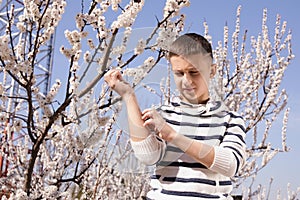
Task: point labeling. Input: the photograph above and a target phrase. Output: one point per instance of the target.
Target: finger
(148, 123)
(109, 82)
(117, 74)
(147, 110)
(108, 75)
(160, 135)
(114, 75)
(146, 116)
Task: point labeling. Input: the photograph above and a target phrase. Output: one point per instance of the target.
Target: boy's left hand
(154, 121)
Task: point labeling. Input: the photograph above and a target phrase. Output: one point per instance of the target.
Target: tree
(73, 148)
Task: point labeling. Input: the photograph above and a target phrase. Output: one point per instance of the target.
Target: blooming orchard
(72, 147)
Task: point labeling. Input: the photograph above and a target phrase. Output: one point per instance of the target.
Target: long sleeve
(230, 156)
(150, 150)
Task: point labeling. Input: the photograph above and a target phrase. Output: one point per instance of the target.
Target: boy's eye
(194, 72)
(178, 73)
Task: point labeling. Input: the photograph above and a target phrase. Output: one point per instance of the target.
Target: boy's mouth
(189, 89)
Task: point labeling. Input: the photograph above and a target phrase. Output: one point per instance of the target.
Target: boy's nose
(187, 79)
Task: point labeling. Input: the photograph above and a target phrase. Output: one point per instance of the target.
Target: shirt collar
(196, 109)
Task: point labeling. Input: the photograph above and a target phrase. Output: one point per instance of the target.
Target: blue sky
(284, 167)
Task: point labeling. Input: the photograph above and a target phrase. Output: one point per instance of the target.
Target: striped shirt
(177, 175)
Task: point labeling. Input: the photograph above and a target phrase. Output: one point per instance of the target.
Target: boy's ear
(213, 69)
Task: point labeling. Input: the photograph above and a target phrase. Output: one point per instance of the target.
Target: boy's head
(192, 63)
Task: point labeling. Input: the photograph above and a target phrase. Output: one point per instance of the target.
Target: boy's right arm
(148, 149)
(137, 131)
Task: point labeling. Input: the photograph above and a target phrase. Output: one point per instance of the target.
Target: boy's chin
(191, 100)
(194, 100)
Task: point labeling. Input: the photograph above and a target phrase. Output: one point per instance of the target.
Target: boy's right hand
(116, 82)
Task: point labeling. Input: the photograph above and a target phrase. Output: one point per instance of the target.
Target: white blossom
(74, 135)
(140, 47)
(17, 126)
(91, 44)
(127, 18)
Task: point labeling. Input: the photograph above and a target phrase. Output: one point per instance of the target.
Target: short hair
(190, 44)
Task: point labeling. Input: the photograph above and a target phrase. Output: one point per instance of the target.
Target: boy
(195, 143)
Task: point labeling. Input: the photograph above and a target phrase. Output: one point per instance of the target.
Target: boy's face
(191, 76)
